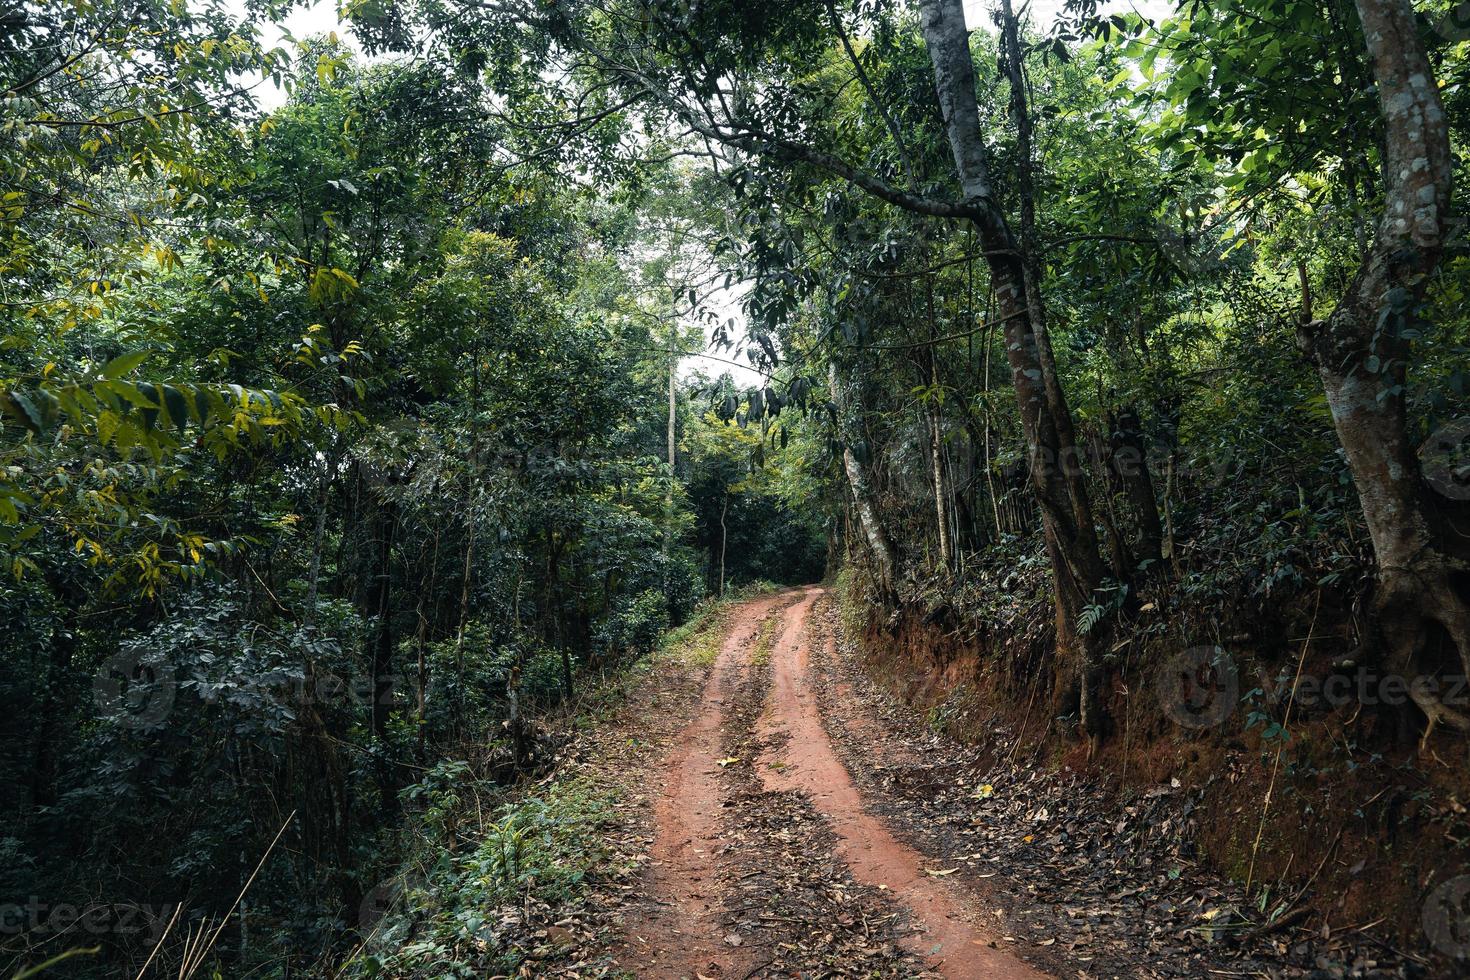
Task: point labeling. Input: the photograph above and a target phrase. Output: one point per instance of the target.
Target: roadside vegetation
(380, 406)
(489, 875)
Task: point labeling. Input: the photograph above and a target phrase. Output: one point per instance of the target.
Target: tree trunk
(515, 724)
(553, 608)
(1362, 354)
(566, 672)
(421, 643)
(988, 457)
(673, 416)
(724, 536)
(383, 641)
(884, 551)
(1128, 463)
(53, 721)
(835, 547)
(1120, 558)
(471, 523)
(383, 650)
(318, 538)
(1056, 473)
(936, 436)
(936, 458)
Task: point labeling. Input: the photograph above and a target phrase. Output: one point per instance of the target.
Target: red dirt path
(682, 936)
(953, 944)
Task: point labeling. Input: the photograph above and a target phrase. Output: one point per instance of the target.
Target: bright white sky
(1044, 12)
(303, 22)
(321, 18)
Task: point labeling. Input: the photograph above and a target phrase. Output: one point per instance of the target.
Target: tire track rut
(716, 831)
(681, 936)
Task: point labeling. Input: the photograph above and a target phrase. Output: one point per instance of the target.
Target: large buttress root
(1410, 605)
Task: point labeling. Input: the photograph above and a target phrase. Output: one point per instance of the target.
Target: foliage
(333, 461)
(540, 847)
(337, 436)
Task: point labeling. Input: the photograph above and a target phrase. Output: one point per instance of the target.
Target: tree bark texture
(880, 543)
(1362, 355)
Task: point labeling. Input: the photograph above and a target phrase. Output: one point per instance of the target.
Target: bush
(684, 589)
(448, 919)
(637, 627)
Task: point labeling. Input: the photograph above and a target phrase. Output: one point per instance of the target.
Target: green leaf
(107, 423)
(201, 406)
(125, 394)
(29, 414)
(153, 408)
(124, 363)
(178, 410)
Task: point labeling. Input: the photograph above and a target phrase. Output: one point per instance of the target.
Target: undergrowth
(490, 865)
(765, 640)
(459, 915)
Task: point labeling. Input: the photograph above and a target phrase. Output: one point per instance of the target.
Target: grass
(697, 642)
(766, 639)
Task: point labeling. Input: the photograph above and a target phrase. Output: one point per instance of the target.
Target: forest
(733, 488)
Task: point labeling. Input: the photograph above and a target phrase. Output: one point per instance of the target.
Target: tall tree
(1363, 351)
(1056, 473)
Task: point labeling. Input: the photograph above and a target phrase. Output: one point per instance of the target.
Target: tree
(1051, 442)
(1363, 350)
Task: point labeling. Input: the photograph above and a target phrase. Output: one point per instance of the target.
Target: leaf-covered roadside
(1082, 874)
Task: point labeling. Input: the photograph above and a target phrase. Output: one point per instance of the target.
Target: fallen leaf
(728, 762)
(940, 874)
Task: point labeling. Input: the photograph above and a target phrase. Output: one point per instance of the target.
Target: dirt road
(765, 861)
